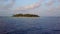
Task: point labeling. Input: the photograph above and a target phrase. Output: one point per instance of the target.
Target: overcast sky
(40, 7)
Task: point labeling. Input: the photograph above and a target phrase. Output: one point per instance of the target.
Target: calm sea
(29, 25)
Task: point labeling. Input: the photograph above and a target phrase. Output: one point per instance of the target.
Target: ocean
(29, 25)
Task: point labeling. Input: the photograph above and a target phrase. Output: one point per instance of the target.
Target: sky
(39, 7)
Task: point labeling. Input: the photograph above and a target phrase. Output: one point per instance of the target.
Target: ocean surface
(29, 25)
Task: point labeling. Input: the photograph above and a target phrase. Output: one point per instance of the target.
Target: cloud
(49, 3)
(4, 6)
(53, 10)
(28, 7)
(36, 5)
(43, 8)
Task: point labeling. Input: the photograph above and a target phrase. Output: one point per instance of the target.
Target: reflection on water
(41, 25)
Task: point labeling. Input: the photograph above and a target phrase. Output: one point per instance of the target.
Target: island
(25, 15)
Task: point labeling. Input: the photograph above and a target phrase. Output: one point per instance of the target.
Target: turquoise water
(24, 25)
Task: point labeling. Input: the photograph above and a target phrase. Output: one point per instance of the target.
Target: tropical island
(25, 15)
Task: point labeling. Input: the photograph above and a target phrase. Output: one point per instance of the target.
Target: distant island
(25, 15)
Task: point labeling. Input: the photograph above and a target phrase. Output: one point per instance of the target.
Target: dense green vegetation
(25, 15)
